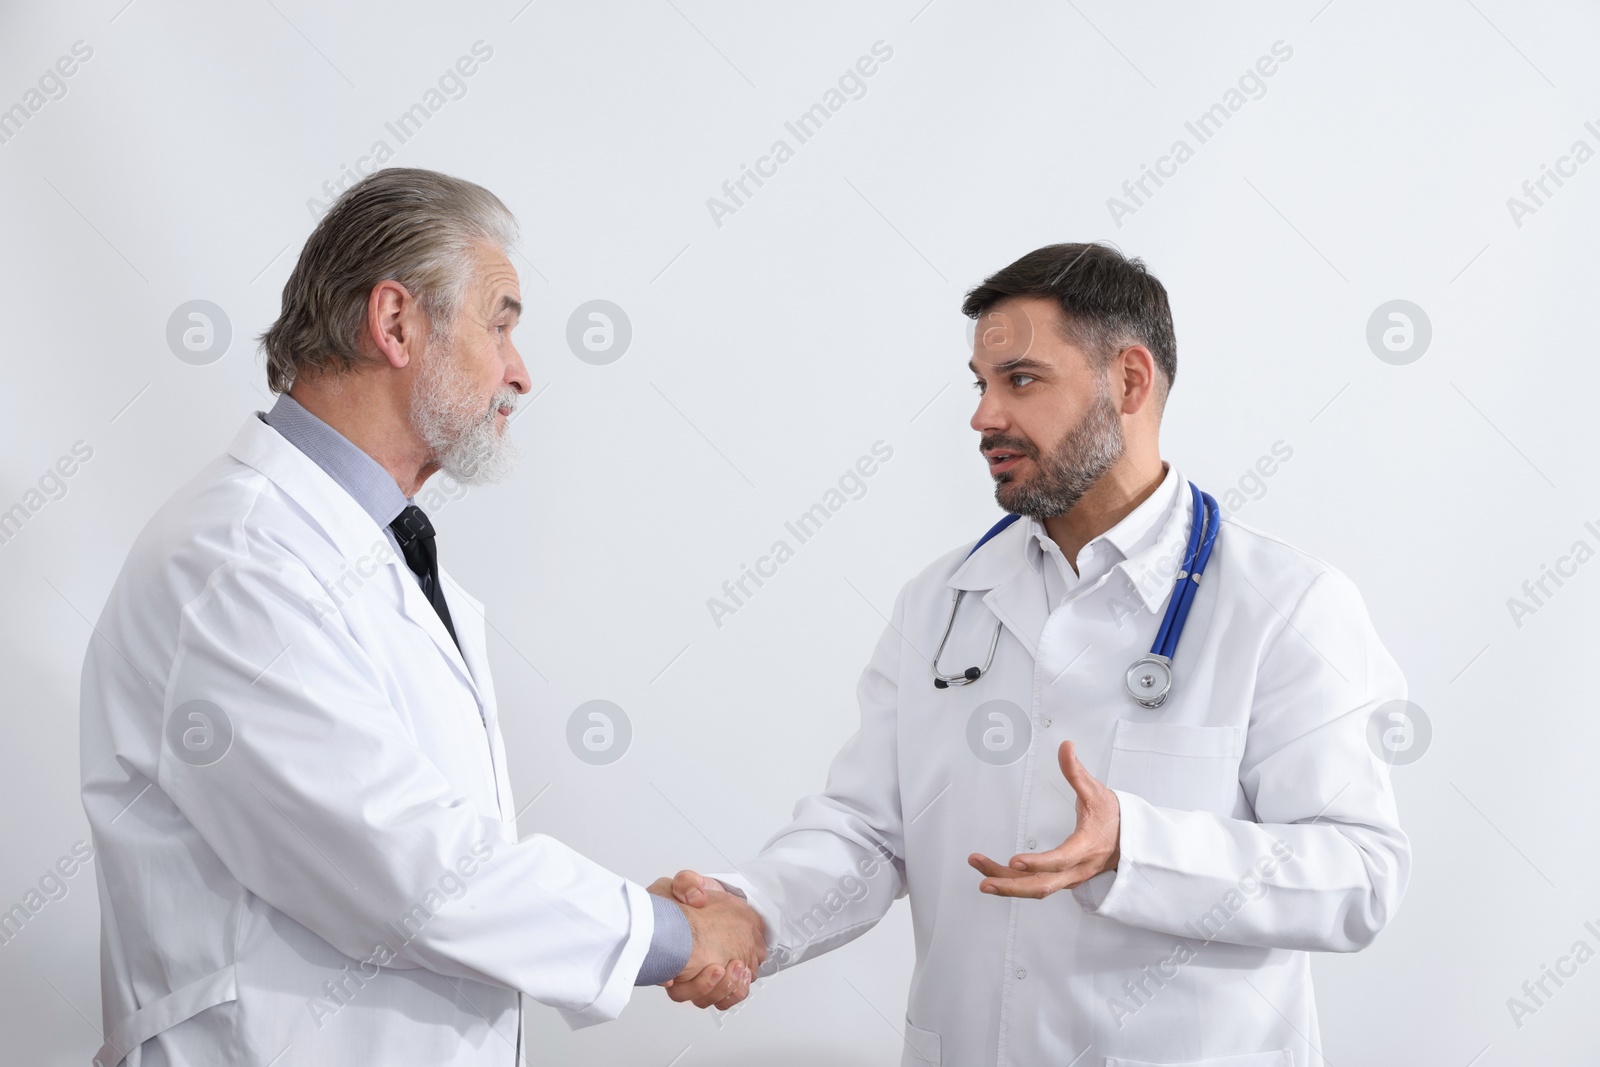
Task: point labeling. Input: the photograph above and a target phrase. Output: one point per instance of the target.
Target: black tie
(415, 534)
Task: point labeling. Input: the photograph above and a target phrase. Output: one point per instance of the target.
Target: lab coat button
(1047, 724)
(1032, 843)
(1021, 973)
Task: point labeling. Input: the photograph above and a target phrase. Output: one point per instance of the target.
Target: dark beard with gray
(1069, 471)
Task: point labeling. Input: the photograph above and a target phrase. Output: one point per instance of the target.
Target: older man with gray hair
(291, 755)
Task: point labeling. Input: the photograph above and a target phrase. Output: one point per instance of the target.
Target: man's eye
(1020, 380)
(978, 385)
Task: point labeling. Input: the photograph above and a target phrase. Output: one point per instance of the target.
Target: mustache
(503, 398)
(1015, 444)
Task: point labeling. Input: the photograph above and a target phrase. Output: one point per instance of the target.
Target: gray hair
(417, 227)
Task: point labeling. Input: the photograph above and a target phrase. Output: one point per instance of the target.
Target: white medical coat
(343, 883)
(1257, 824)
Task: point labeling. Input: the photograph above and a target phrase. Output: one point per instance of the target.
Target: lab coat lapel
(357, 537)
(1013, 591)
(420, 611)
(1019, 603)
(467, 615)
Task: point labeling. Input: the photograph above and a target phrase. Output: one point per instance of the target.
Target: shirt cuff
(671, 944)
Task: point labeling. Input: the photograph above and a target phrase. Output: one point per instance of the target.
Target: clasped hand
(730, 939)
(730, 942)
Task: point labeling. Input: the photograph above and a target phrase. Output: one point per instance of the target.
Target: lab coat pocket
(1175, 765)
(922, 1046)
(1281, 1058)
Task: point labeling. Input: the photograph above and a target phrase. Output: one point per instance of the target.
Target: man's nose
(990, 415)
(517, 376)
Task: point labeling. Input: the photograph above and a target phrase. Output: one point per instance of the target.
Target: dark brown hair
(1107, 300)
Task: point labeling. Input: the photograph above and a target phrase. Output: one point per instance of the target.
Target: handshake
(730, 941)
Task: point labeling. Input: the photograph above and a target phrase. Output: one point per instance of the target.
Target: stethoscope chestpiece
(1149, 680)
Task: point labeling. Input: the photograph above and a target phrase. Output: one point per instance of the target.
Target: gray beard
(461, 436)
(1072, 467)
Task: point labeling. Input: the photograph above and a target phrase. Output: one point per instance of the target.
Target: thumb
(1076, 774)
(689, 887)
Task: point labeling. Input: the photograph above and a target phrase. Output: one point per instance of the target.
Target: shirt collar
(1137, 530)
(1155, 556)
(1151, 538)
(356, 473)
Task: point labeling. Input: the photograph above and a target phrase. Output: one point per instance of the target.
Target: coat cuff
(1100, 895)
(771, 918)
(618, 985)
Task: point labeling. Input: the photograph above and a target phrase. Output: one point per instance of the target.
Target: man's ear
(396, 326)
(1135, 372)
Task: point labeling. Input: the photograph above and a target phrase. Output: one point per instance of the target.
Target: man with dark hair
(1222, 814)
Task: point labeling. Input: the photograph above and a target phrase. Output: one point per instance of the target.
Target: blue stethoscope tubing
(1149, 678)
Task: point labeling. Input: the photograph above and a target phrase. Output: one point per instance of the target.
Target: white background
(772, 351)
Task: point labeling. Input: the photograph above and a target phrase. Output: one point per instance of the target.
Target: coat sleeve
(1324, 864)
(323, 806)
(833, 872)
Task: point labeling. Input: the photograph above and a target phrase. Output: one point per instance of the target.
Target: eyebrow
(1020, 363)
(509, 303)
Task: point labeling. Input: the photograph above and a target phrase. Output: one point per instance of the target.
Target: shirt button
(1047, 724)
(1032, 843)
(1021, 973)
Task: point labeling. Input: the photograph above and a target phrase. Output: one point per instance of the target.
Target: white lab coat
(1254, 815)
(345, 884)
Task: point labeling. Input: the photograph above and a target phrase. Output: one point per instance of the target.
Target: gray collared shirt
(379, 495)
(357, 473)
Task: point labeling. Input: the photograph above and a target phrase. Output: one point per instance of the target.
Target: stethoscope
(1149, 679)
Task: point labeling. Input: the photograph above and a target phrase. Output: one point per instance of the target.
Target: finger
(1040, 883)
(697, 986)
(661, 887)
(1068, 854)
(733, 981)
(689, 887)
(1079, 846)
(988, 867)
(739, 994)
(1035, 886)
(1086, 785)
